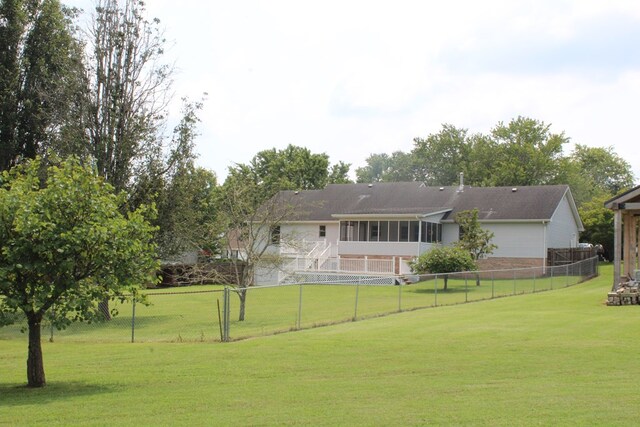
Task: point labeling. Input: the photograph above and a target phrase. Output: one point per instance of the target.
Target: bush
(443, 259)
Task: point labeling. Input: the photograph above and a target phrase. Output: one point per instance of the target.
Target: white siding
(518, 240)
(514, 240)
(563, 231)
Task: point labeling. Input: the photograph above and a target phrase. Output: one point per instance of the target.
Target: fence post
(580, 271)
(225, 314)
(400, 296)
(566, 282)
(366, 264)
(492, 285)
(133, 318)
(299, 307)
(552, 268)
(514, 281)
(466, 289)
(355, 311)
(534, 281)
(435, 291)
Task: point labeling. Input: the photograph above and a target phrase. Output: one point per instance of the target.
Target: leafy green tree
(606, 170)
(443, 260)
(187, 213)
(339, 173)
(293, 168)
(473, 238)
(42, 81)
(442, 156)
(527, 153)
(598, 222)
(382, 167)
(65, 244)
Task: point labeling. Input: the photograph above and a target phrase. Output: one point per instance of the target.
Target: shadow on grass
(17, 395)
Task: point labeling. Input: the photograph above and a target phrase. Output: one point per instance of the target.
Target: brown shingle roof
(403, 198)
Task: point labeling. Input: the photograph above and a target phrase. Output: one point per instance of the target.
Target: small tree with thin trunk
(252, 227)
(443, 259)
(64, 244)
(473, 238)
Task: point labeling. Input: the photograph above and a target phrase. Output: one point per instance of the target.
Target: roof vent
(514, 189)
(296, 192)
(441, 188)
(370, 185)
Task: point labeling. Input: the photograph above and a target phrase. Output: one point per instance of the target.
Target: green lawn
(176, 316)
(548, 358)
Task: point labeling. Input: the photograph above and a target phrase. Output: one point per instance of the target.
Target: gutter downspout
(544, 247)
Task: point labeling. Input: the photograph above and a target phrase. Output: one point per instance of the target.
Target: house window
(431, 232)
(275, 235)
(393, 231)
(389, 231)
(404, 231)
(384, 231)
(362, 234)
(374, 231)
(322, 231)
(414, 231)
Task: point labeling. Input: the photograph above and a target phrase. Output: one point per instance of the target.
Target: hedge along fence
(210, 313)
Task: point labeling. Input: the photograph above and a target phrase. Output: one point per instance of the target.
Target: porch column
(617, 246)
(628, 253)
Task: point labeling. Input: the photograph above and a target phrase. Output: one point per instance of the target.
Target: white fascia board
(377, 216)
(318, 221)
(504, 221)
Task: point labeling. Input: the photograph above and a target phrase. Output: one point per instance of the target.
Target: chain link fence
(211, 313)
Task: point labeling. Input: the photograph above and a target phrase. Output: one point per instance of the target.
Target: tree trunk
(242, 294)
(35, 366)
(446, 279)
(103, 306)
(477, 279)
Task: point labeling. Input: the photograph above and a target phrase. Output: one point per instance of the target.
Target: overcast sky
(351, 78)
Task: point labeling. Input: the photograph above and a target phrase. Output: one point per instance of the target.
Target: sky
(353, 78)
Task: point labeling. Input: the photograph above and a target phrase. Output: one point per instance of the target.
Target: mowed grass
(191, 314)
(549, 358)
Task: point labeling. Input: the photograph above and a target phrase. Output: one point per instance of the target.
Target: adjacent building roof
(342, 201)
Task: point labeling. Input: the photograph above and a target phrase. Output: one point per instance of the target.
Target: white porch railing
(352, 265)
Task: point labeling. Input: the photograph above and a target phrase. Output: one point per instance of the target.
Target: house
(381, 226)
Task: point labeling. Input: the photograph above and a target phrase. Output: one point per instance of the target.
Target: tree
(528, 153)
(598, 223)
(473, 238)
(293, 168)
(42, 81)
(442, 156)
(64, 243)
(339, 173)
(251, 227)
(606, 170)
(129, 91)
(398, 166)
(443, 260)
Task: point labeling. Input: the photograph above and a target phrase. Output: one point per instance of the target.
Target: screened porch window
(390, 231)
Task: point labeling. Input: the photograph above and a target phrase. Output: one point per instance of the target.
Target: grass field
(549, 358)
(190, 314)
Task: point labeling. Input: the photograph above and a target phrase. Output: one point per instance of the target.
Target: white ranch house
(378, 228)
